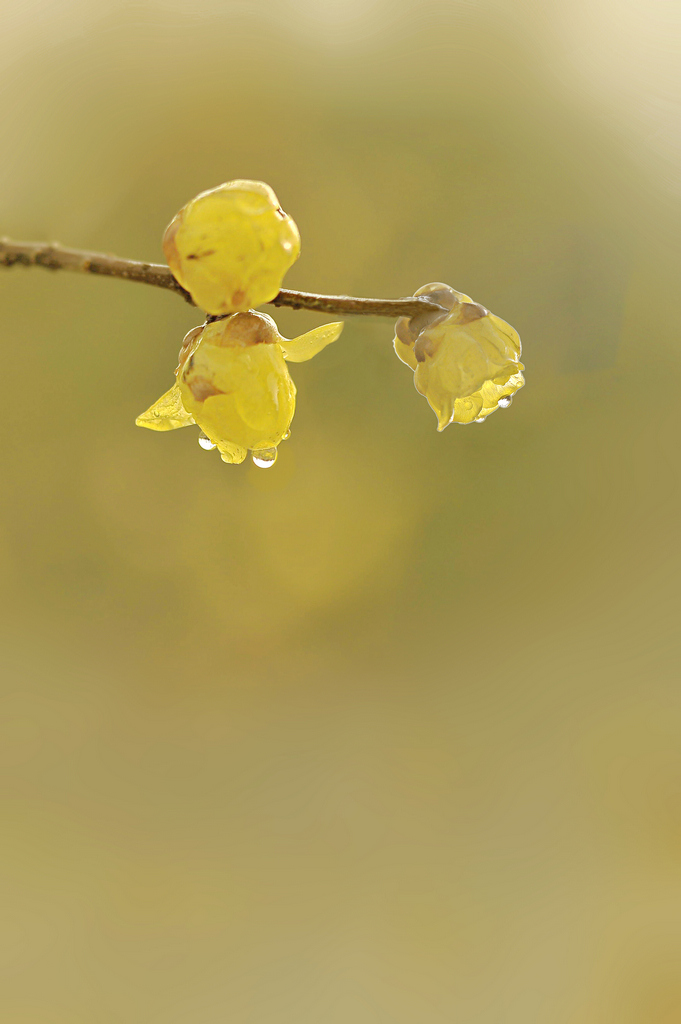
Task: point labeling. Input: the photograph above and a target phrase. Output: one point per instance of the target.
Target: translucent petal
(443, 412)
(168, 413)
(258, 406)
(232, 453)
(467, 409)
(405, 353)
(509, 333)
(298, 350)
(492, 391)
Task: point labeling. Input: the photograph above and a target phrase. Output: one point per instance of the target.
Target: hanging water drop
(480, 419)
(206, 443)
(286, 435)
(504, 403)
(265, 457)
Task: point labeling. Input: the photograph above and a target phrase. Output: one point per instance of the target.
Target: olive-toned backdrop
(391, 732)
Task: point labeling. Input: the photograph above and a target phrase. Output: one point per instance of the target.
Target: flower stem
(55, 257)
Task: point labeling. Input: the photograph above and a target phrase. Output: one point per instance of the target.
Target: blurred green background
(390, 733)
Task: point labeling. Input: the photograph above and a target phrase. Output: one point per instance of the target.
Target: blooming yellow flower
(231, 246)
(234, 383)
(466, 362)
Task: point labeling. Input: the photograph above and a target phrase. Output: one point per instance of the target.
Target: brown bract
(245, 329)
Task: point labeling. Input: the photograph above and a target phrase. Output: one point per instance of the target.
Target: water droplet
(286, 435)
(480, 419)
(504, 403)
(265, 457)
(206, 443)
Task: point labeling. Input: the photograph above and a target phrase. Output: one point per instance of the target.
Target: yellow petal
(168, 413)
(240, 396)
(231, 453)
(405, 353)
(298, 350)
(466, 409)
(509, 333)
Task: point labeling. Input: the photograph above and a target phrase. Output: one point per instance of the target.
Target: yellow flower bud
(230, 247)
(466, 362)
(234, 383)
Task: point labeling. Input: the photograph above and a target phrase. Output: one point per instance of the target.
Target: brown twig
(56, 257)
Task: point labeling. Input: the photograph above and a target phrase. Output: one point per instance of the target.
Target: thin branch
(56, 257)
(345, 305)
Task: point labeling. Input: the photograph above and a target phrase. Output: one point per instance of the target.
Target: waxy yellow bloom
(231, 246)
(466, 362)
(234, 383)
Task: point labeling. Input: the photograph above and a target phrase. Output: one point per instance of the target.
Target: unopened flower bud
(230, 247)
(466, 362)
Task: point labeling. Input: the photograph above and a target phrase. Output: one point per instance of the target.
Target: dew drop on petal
(504, 403)
(207, 444)
(265, 457)
(286, 435)
(480, 419)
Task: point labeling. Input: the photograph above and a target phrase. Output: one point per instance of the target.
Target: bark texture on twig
(55, 257)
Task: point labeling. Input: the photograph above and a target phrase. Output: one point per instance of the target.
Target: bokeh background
(391, 732)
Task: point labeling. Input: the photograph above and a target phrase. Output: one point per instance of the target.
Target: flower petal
(168, 413)
(232, 453)
(466, 409)
(298, 350)
(405, 353)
